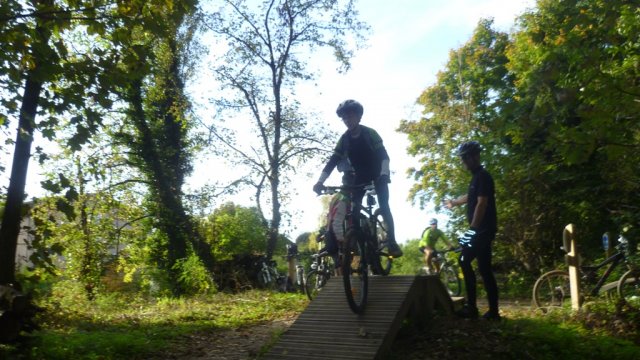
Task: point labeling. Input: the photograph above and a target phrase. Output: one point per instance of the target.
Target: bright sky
(409, 44)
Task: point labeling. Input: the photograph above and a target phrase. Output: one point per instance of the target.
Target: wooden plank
(328, 329)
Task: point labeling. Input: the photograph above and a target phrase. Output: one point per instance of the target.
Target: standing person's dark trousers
(481, 250)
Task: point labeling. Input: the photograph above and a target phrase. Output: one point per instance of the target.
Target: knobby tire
(314, 283)
(354, 275)
(382, 260)
(552, 290)
(629, 288)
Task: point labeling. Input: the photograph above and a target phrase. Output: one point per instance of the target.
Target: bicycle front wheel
(315, 282)
(383, 260)
(629, 288)
(354, 275)
(451, 280)
(551, 290)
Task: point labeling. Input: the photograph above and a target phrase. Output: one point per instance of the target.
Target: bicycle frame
(361, 242)
(612, 261)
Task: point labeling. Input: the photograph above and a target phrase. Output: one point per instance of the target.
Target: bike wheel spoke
(552, 290)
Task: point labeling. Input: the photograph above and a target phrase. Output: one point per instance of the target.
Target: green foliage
(411, 261)
(233, 230)
(266, 44)
(117, 327)
(555, 106)
(194, 277)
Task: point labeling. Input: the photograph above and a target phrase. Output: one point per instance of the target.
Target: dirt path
(238, 344)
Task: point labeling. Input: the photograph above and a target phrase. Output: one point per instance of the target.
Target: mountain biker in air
(362, 148)
(427, 244)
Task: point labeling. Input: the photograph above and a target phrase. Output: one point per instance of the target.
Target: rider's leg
(466, 257)
(382, 190)
(484, 267)
(428, 256)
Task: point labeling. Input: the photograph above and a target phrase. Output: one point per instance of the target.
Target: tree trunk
(274, 227)
(15, 193)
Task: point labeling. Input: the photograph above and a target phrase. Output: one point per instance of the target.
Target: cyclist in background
(427, 244)
(362, 148)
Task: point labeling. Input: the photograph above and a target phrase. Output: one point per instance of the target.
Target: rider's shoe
(468, 312)
(492, 316)
(394, 249)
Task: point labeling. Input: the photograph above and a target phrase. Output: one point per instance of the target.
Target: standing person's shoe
(468, 312)
(394, 249)
(492, 316)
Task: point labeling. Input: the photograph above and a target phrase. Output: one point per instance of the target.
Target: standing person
(361, 148)
(476, 242)
(427, 244)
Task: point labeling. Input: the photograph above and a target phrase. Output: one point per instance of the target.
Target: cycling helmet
(469, 148)
(349, 105)
(433, 222)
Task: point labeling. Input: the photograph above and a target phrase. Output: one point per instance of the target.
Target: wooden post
(573, 261)
(292, 261)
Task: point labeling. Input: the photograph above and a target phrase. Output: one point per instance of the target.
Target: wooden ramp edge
(328, 329)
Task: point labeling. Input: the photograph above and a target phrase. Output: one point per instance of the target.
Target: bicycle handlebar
(328, 190)
(456, 250)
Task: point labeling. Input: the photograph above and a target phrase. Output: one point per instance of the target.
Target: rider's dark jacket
(365, 153)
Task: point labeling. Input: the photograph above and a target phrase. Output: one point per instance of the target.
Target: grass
(118, 327)
(125, 328)
(523, 334)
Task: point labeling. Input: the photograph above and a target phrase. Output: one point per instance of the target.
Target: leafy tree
(465, 103)
(555, 106)
(234, 230)
(411, 262)
(41, 75)
(268, 44)
(158, 135)
(576, 64)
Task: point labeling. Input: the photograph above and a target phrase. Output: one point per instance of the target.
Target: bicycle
(321, 271)
(293, 255)
(365, 240)
(552, 289)
(448, 271)
(268, 276)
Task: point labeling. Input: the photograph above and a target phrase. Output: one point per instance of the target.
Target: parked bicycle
(268, 276)
(364, 248)
(448, 272)
(321, 271)
(552, 289)
(298, 282)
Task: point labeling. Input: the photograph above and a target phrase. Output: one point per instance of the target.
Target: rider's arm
(461, 200)
(328, 168)
(479, 211)
(446, 241)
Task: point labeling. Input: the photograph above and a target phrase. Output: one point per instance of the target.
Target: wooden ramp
(328, 329)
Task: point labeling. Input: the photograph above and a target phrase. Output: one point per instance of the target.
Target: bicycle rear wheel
(629, 288)
(551, 290)
(315, 281)
(382, 257)
(451, 280)
(354, 274)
